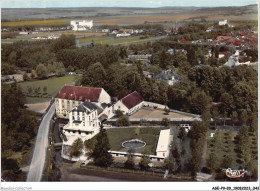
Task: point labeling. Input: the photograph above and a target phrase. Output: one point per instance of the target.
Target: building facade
(72, 96)
(83, 123)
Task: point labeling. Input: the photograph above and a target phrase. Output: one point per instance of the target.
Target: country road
(41, 145)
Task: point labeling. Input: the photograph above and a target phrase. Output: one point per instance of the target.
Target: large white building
(163, 145)
(72, 96)
(81, 25)
(83, 123)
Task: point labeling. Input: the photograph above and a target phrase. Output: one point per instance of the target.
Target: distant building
(72, 96)
(222, 22)
(123, 35)
(81, 25)
(141, 57)
(169, 76)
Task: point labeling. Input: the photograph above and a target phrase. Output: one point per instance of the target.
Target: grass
(148, 135)
(95, 39)
(53, 86)
(42, 23)
(106, 40)
(223, 144)
(125, 40)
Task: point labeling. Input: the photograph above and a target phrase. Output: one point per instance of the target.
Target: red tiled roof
(79, 93)
(132, 99)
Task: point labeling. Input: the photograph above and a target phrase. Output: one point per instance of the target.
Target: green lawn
(95, 39)
(106, 40)
(53, 86)
(125, 40)
(148, 135)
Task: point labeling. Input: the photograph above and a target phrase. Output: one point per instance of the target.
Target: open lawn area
(117, 136)
(95, 39)
(158, 113)
(148, 135)
(45, 88)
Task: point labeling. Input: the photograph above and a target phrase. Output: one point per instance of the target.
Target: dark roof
(79, 93)
(86, 105)
(132, 100)
(89, 105)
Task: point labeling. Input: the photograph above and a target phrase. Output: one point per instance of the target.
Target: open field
(95, 39)
(223, 144)
(39, 23)
(148, 135)
(156, 113)
(53, 86)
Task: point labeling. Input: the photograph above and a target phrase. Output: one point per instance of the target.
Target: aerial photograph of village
(139, 91)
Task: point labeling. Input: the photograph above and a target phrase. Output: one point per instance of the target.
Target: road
(41, 145)
(124, 43)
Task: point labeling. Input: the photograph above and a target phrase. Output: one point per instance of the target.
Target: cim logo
(234, 173)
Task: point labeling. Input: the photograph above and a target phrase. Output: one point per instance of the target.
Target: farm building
(81, 25)
(129, 104)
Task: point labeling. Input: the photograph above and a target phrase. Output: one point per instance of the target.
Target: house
(83, 123)
(221, 23)
(105, 30)
(141, 57)
(123, 35)
(71, 96)
(169, 76)
(129, 104)
(81, 25)
(163, 145)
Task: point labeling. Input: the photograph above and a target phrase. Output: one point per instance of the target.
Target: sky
(119, 3)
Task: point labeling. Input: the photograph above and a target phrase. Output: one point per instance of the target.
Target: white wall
(120, 106)
(104, 97)
(64, 106)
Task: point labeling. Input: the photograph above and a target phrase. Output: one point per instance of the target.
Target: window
(73, 118)
(78, 118)
(83, 123)
(83, 118)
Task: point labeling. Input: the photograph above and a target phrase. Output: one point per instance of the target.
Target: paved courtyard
(156, 113)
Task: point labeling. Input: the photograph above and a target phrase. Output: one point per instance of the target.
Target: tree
(169, 164)
(122, 121)
(182, 134)
(64, 42)
(41, 71)
(144, 162)
(129, 163)
(100, 154)
(10, 170)
(76, 148)
(94, 76)
(165, 122)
